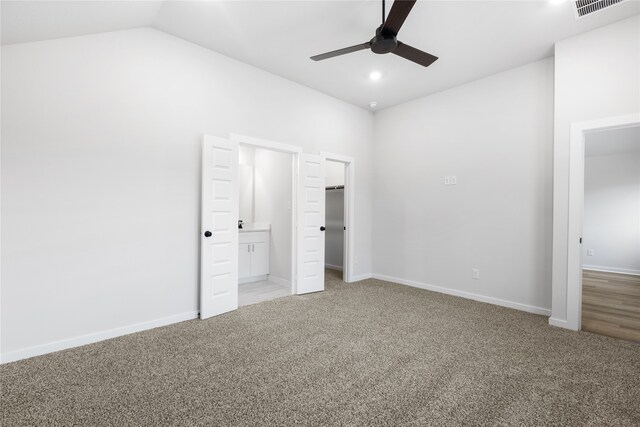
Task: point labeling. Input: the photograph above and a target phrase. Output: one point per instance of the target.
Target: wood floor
(611, 304)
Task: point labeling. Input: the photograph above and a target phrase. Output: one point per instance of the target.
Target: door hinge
(581, 240)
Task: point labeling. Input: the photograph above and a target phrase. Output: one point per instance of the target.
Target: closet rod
(335, 187)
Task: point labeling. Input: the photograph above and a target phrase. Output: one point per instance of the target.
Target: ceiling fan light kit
(386, 38)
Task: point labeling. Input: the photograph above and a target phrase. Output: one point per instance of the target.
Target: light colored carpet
(370, 353)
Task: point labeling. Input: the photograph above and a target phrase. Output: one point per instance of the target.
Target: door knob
(208, 233)
(322, 228)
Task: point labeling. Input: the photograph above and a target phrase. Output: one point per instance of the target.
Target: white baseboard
(333, 267)
(280, 280)
(361, 277)
(611, 269)
(51, 347)
(468, 295)
(561, 323)
(253, 279)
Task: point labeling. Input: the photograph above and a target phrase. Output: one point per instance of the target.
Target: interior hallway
(611, 304)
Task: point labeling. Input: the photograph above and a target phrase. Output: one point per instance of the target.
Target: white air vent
(587, 7)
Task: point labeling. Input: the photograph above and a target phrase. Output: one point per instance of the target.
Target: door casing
(349, 249)
(294, 151)
(348, 261)
(576, 211)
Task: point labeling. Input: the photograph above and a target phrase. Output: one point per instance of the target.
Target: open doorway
(575, 193)
(265, 224)
(335, 220)
(340, 259)
(611, 233)
(228, 260)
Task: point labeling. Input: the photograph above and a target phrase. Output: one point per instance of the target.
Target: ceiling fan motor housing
(383, 43)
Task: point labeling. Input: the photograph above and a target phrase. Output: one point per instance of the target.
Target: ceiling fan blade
(412, 54)
(339, 52)
(398, 13)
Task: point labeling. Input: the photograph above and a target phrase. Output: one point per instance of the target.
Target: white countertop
(255, 226)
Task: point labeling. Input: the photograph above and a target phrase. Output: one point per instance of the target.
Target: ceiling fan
(385, 40)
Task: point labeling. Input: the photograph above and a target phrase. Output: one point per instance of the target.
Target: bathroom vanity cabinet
(253, 256)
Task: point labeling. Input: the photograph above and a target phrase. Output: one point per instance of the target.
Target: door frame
(576, 207)
(348, 261)
(294, 151)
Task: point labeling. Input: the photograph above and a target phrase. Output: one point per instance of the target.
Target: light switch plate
(590, 252)
(447, 180)
(454, 180)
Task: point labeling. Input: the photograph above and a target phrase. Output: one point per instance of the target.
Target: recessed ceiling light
(373, 104)
(375, 75)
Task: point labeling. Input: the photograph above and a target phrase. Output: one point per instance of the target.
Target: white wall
(247, 159)
(101, 142)
(597, 75)
(611, 224)
(273, 189)
(495, 136)
(335, 174)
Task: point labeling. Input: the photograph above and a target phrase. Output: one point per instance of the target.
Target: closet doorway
(334, 239)
(338, 217)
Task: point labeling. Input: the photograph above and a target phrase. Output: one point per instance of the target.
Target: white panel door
(219, 234)
(311, 188)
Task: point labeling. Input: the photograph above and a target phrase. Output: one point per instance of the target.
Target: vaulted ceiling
(472, 38)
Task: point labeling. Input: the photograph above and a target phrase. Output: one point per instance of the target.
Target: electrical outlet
(590, 252)
(454, 180)
(447, 180)
(475, 274)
